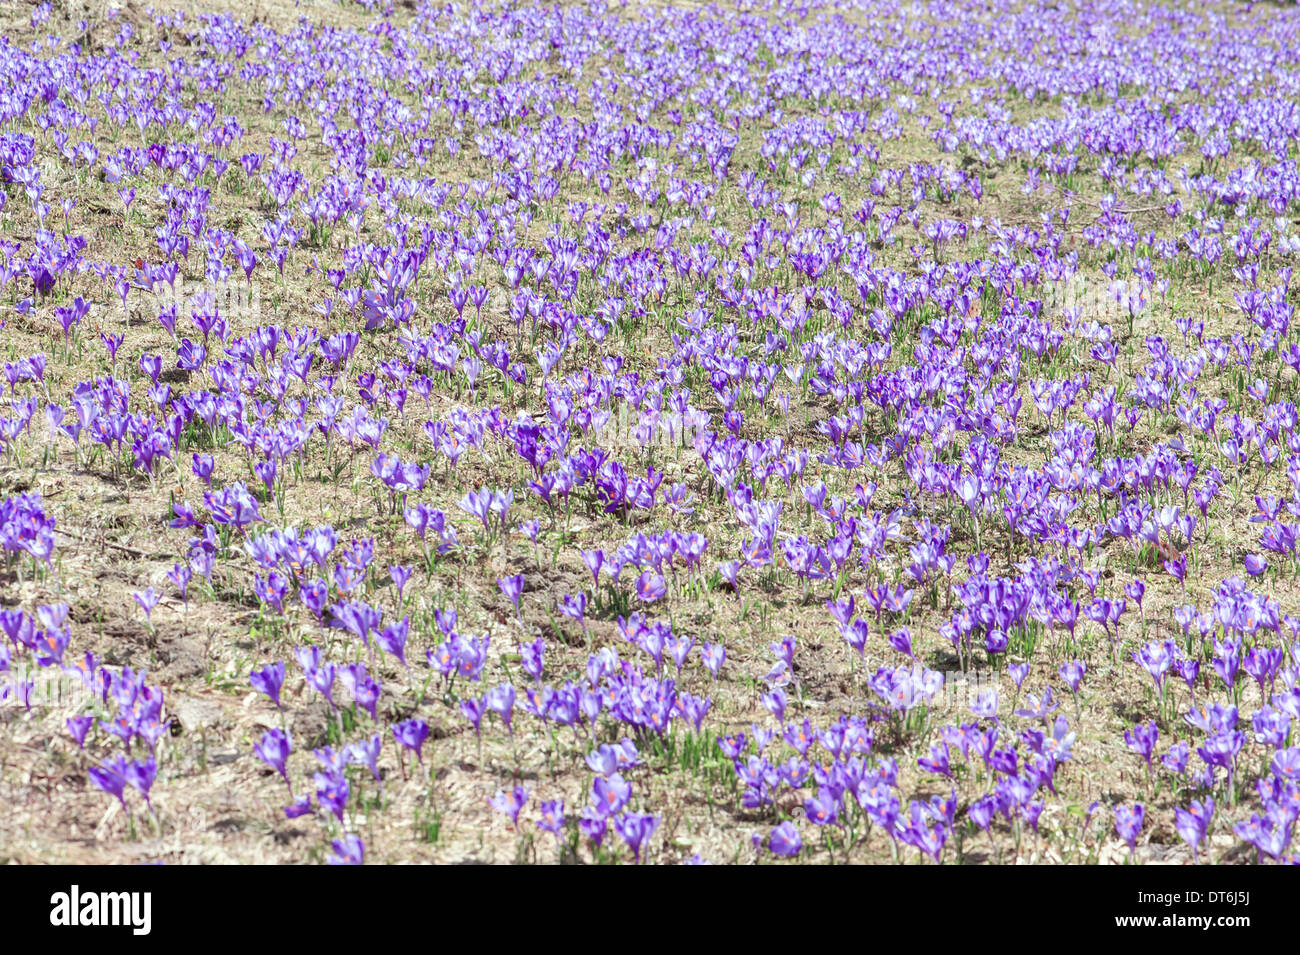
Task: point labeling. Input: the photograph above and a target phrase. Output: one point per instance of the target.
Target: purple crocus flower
(181, 575)
(412, 733)
(1018, 673)
(603, 760)
(513, 588)
(349, 850)
(501, 700)
(400, 574)
(1286, 764)
(1038, 707)
(510, 804)
(901, 640)
(332, 792)
(1176, 757)
(775, 702)
(1193, 823)
(273, 749)
(1221, 750)
(552, 820)
(713, 655)
(141, 774)
(111, 777)
(300, 807)
(366, 753)
(574, 606)
(650, 586)
(593, 824)
(635, 828)
(1136, 590)
(1142, 740)
(393, 639)
(593, 559)
(985, 705)
(785, 840)
(148, 600)
(610, 794)
(532, 658)
(1128, 823)
(203, 465)
(78, 726)
(1156, 658)
(269, 681)
(473, 709)
(321, 680)
(1072, 672)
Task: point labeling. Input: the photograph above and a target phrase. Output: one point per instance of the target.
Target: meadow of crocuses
(649, 433)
